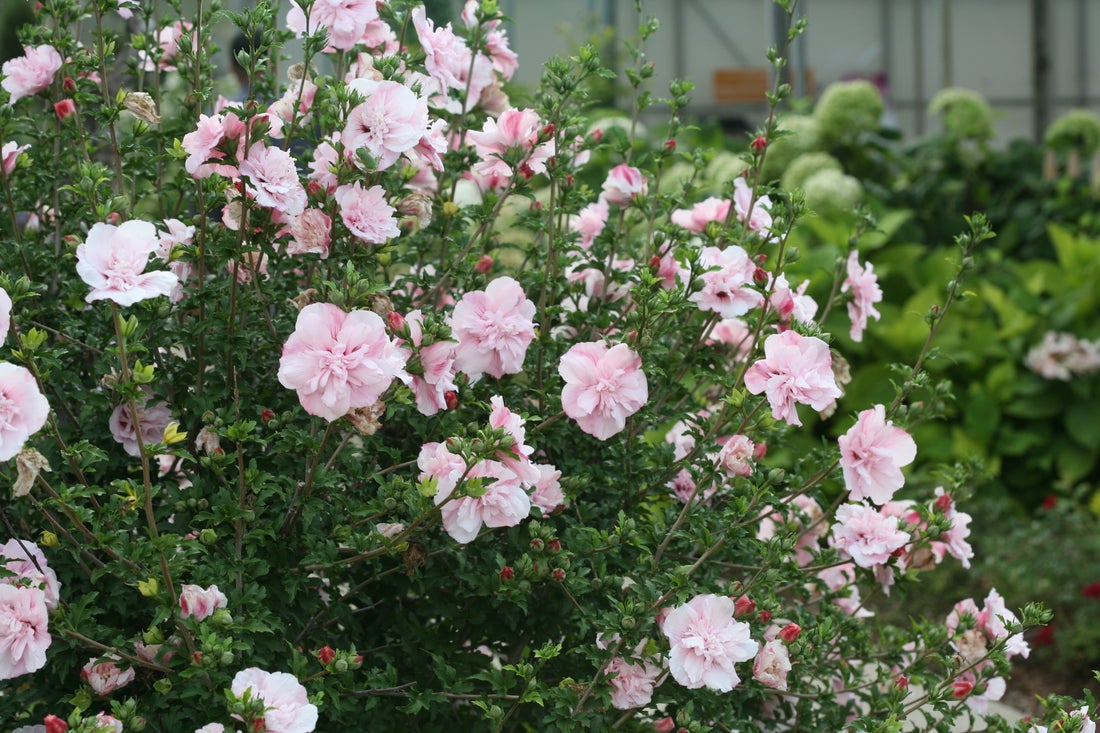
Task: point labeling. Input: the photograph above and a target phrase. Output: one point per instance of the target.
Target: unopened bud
(670, 145)
(507, 573)
(484, 264)
(743, 606)
(396, 321)
(759, 143)
(326, 655)
(558, 574)
(55, 724)
(450, 398)
(790, 632)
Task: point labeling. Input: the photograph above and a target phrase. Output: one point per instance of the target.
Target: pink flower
(706, 642)
(493, 327)
(366, 214)
(865, 293)
(211, 728)
(603, 387)
(339, 361)
(623, 183)
(325, 159)
(727, 282)
(990, 621)
(30, 73)
(288, 707)
(548, 495)
(590, 221)
(202, 145)
(632, 683)
(500, 501)
(791, 304)
(10, 156)
(112, 261)
(5, 315)
(795, 369)
(866, 536)
(104, 676)
(437, 364)
(772, 665)
(450, 61)
(345, 20)
(26, 560)
(872, 453)
(273, 179)
(24, 634)
(310, 232)
(736, 456)
(199, 603)
(695, 219)
(759, 219)
(151, 421)
(390, 121)
(518, 457)
(23, 409)
(106, 723)
(64, 108)
(513, 129)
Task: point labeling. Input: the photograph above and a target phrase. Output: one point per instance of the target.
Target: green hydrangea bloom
(803, 138)
(830, 191)
(807, 165)
(847, 110)
(965, 113)
(1077, 129)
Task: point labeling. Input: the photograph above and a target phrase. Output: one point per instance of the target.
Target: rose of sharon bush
(603, 386)
(339, 361)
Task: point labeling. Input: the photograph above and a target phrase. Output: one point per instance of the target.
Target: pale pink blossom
(310, 233)
(872, 453)
(126, 8)
(991, 620)
(288, 709)
(112, 261)
(211, 728)
(24, 630)
(727, 276)
(437, 373)
(9, 156)
(366, 214)
(515, 129)
(736, 455)
(345, 20)
(500, 502)
(202, 145)
(168, 41)
(107, 723)
(23, 409)
(200, 603)
(733, 332)
(865, 293)
(251, 264)
(772, 664)
(706, 642)
(757, 219)
(547, 494)
(623, 183)
(450, 61)
(26, 560)
(5, 315)
(273, 179)
(438, 464)
(1063, 356)
(632, 683)
(338, 361)
(953, 540)
(667, 269)
(493, 327)
(151, 421)
(505, 60)
(30, 73)
(795, 369)
(866, 536)
(390, 121)
(603, 387)
(685, 489)
(105, 676)
(295, 104)
(791, 304)
(325, 160)
(518, 457)
(841, 580)
(696, 218)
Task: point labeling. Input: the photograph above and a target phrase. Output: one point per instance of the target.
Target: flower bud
(68, 84)
(396, 321)
(222, 617)
(961, 688)
(765, 616)
(326, 655)
(507, 573)
(558, 574)
(664, 725)
(340, 665)
(537, 545)
(450, 398)
(226, 659)
(759, 143)
(484, 264)
(48, 539)
(554, 545)
(790, 632)
(943, 503)
(902, 683)
(743, 606)
(55, 724)
(670, 145)
(64, 108)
